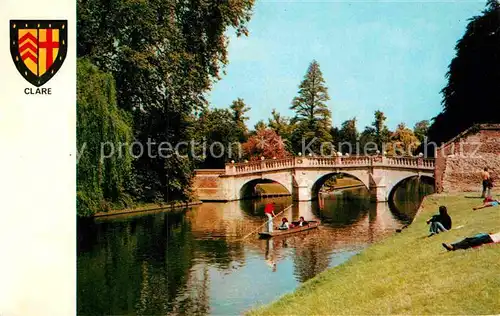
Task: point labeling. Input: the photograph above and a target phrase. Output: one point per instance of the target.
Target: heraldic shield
(38, 48)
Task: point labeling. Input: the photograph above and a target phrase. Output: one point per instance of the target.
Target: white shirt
(495, 237)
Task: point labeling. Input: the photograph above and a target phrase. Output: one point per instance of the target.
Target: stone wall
(207, 185)
(460, 161)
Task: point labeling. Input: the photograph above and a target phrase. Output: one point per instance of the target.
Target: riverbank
(149, 207)
(410, 273)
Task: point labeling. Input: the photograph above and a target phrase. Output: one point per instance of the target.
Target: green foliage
(312, 116)
(375, 136)
(420, 130)
(306, 137)
(260, 126)
(100, 124)
(349, 135)
(471, 94)
(217, 126)
(382, 134)
(310, 104)
(239, 108)
(164, 56)
(403, 141)
(367, 140)
(283, 127)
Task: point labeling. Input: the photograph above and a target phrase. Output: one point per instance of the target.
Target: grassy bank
(410, 273)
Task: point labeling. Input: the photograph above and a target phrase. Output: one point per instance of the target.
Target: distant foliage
(403, 141)
(239, 110)
(217, 128)
(266, 143)
(471, 95)
(283, 127)
(349, 135)
(259, 126)
(100, 182)
(421, 130)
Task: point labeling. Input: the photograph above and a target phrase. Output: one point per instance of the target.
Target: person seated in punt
(300, 223)
(284, 224)
(487, 202)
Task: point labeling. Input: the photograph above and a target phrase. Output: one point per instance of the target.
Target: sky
(375, 55)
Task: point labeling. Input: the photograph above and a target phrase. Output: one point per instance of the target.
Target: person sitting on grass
(488, 202)
(440, 222)
(474, 241)
(284, 224)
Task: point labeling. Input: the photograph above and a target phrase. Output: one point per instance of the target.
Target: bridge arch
(395, 183)
(248, 188)
(320, 181)
(242, 185)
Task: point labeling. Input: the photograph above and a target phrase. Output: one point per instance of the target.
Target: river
(193, 262)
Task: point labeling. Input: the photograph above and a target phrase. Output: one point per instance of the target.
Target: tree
(403, 141)
(309, 105)
(260, 125)
(282, 126)
(217, 128)
(348, 137)
(312, 116)
(101, 126)
(265, 143)
(367, 140)
(164, 56)
(382, 133)
(420, 130)
(239, 108)
(471, 94)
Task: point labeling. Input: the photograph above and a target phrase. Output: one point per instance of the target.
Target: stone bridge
(304, 176)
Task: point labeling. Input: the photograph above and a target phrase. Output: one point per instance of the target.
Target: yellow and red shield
(38, 48)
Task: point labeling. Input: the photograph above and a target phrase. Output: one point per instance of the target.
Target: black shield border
(14, 48)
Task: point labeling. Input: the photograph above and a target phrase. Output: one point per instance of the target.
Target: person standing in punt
(269, 211)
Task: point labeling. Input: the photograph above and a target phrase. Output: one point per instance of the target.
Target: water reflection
(194, 262)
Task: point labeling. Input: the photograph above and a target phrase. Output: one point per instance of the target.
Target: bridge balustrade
(329, 162)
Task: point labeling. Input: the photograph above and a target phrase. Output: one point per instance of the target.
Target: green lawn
(409, 273)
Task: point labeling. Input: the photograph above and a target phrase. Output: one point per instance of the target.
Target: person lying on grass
(488, 202)
(474, 241)
(440, 222)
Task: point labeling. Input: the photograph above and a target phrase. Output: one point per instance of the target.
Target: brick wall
(207, 185)
(459, 162)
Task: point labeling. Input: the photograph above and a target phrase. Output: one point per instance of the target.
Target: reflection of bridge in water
(310, 251)
(231, 222)
(303, 177)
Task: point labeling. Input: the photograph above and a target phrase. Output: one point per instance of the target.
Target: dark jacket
(443, 219)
